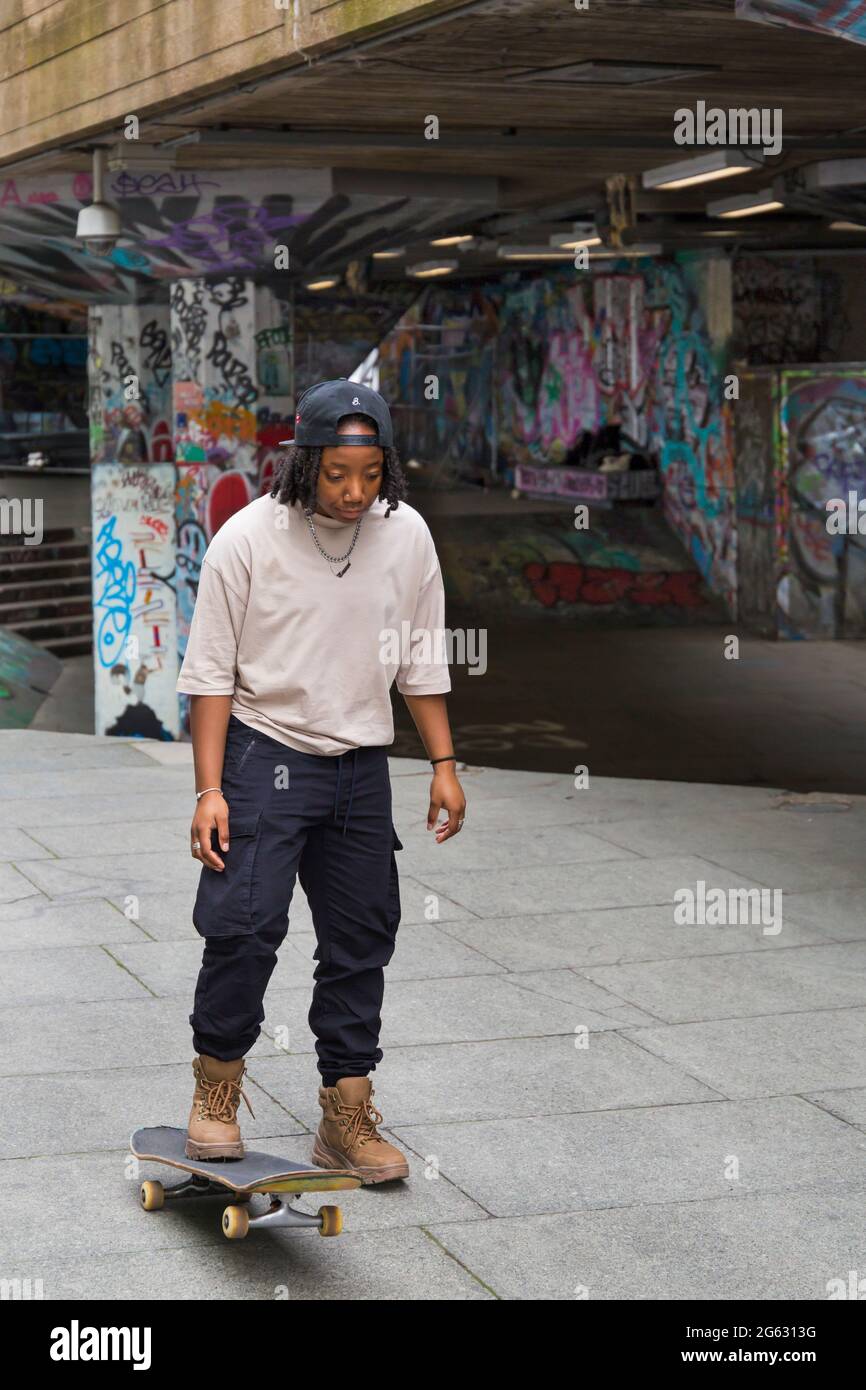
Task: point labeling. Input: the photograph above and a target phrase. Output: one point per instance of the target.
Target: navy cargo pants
(328, 821)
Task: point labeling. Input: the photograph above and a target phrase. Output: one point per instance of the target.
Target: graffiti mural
(846, 19)
(756, 458)
(624, 346)
(822, 581)
(129, 380)
(134, 610)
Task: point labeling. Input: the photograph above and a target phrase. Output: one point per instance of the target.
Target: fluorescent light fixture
(321, 284)
(719, 164)
(532, 253)
(452, 240)
(745, 204)
(834, 173)
(428, 270)
(847, 227)
(633, 252)
(391, 255)
(581, 234)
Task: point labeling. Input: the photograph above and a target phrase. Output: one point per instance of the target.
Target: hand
(446, 794)
(211, 813)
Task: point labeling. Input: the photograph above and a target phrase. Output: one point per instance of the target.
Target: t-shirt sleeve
(211, 654)
(424, 670)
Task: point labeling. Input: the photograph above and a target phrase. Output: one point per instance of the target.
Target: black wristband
(447, 759)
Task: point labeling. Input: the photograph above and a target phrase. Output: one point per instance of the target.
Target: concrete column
(132, 503)
(223, 333)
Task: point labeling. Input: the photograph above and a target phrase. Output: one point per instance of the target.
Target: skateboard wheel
(331, 1221)
(236, 1223)
(152, 1196)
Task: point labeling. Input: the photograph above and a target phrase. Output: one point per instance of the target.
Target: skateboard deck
(254, 1173)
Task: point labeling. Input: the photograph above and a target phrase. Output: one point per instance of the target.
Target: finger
(448, 827)
(209, 856)
(432, 813)
(222, 822)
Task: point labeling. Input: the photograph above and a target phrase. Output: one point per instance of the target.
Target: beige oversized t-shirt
(309, 658)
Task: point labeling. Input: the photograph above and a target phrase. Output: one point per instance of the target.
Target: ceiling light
(532, 253)
(745, 204)
(321, 284)
(452, 240)
(721, 164)
(581, 234)
(389, 255)
(428, 270)
(847, 227)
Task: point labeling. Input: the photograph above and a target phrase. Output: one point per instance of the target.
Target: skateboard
(255, 1172)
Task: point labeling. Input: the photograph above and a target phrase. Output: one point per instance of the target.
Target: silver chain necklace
(334, 559)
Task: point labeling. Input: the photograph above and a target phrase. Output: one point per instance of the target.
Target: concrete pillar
(132, 505)
(223, 333)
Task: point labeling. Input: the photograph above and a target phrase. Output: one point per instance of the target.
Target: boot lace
(361, 1121)
(221, 1099)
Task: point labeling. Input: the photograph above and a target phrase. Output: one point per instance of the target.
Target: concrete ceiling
(536, 110)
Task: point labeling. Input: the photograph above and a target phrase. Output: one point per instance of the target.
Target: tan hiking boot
(213, 1131)
(347, 1137)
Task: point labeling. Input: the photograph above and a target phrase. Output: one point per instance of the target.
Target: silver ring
(196, 844)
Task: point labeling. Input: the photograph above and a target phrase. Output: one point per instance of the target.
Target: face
(350, 476)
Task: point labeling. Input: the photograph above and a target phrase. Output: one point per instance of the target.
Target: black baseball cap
(321, 408)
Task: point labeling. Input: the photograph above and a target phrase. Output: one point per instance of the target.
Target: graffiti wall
(134, 609)
(757, 491)
(129, 382)
(845, 19)
(631, 346)
(822, 576)
(791, 309)
(175, 223)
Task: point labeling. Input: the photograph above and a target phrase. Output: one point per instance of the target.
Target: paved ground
(612, 1102)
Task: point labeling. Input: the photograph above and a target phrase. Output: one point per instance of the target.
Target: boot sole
(204, 1152)
(325, 1157)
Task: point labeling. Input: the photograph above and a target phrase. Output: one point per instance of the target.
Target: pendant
(341, 572)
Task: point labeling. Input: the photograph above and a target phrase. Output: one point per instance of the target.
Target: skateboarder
(289, 665)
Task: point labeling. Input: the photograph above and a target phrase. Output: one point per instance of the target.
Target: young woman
(305, 595)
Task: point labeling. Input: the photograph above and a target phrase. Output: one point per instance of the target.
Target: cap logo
(355, 401)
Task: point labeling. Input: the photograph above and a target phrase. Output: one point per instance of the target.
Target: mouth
(350, 511)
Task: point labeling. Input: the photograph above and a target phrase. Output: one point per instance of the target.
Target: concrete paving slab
(96, 1110)
(784, 1054)
(768, 1247)
(63, 1038)
(623, 883)
(297, 1266)
(612, 934)
(38, 922)
(65, 973)
(516, 1077)
(736, 986)
(635, 1157)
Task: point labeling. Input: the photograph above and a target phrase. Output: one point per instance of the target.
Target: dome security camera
(99, 228)
(98, 224)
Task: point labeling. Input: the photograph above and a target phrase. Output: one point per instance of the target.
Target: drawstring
(351, 787)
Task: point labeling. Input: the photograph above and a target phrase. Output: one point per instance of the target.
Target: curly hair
(296, 477)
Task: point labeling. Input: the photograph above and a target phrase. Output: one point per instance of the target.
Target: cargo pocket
(394, 887)
(223, 904)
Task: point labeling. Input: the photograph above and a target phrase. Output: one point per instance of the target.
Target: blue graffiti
(117, 595)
